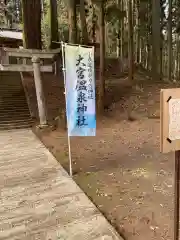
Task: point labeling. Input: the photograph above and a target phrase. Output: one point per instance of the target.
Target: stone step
(13, 79)
(11, 126)
(15, 118)
(12, 102)
(16, 121)
(12, 88)
(15, 113)
(13, 98)
(15, 85)
(11, 107)
(16, 110)
(9, 90)
(11, 93)
(7, 117)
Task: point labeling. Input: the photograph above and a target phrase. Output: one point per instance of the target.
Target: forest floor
(122, 169)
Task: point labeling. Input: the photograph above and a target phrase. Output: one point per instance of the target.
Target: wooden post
(176, 195)
(57, 64)
(39, 91)
(170, 141)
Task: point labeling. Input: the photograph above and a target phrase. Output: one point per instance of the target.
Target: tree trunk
(84, 30)
(31, 11)
(141, 51)
(94, 24)
(161, 57)
(170, 41)
(130, 43)
(148, 57)
(119, 32)
(72, 22)
(178, 68)
(5, 14)
(122, 31)
(149, 45)
(177, 59)
(138, 31)
(130, 58)
(164, 61)
(156, 40)
(102, 59)
(54, 35)
(43, 10)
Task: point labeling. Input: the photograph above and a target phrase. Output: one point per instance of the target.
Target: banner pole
(70, 158)
(69, 140)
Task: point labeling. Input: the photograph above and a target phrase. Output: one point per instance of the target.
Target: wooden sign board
(170, 120)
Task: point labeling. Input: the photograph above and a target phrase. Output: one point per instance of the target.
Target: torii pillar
(39, 91)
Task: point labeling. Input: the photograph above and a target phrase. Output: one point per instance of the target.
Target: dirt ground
(122, 169)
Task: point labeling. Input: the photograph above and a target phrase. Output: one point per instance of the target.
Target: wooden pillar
(39, 91)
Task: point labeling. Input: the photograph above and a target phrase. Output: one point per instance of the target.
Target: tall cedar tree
(31, 11)
(72, 14)
(54, 35)
(101, 100)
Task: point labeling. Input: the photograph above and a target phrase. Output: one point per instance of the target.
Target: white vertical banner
(80, 90)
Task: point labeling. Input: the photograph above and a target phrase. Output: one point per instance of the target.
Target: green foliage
(62, 21)
(176, 16)
(10, 13)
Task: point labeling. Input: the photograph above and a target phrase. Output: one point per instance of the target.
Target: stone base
(42, 126)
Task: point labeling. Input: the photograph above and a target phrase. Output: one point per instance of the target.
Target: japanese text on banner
(80, 88)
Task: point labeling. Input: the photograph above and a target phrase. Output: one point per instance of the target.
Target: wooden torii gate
(35, 65)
